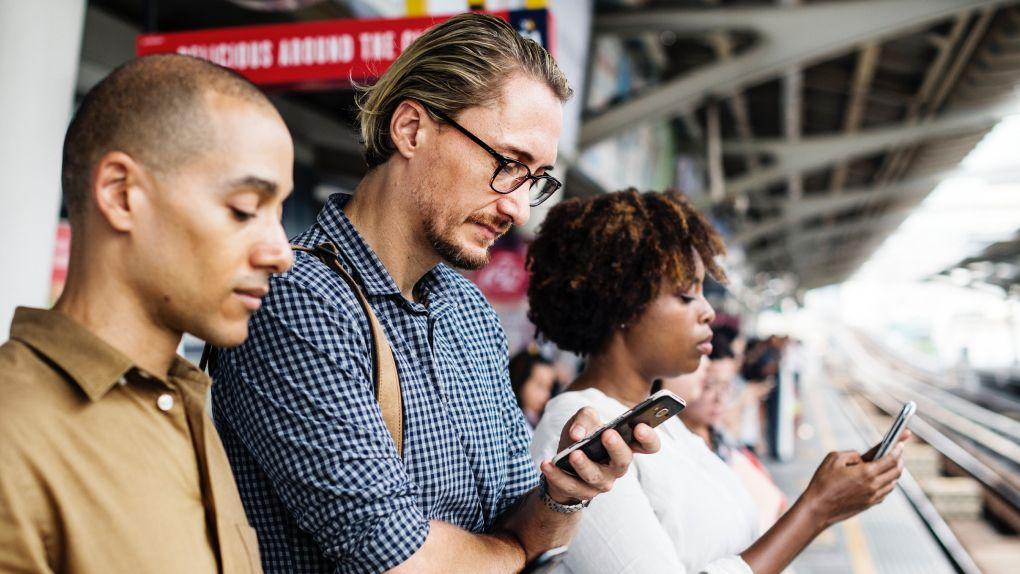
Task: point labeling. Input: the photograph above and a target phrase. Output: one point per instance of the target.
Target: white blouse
(679, 510)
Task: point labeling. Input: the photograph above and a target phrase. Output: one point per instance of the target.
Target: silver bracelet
(543, 492)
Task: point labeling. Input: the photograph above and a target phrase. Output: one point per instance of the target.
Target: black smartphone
(652, 411)
(894, 431)
(546, 561)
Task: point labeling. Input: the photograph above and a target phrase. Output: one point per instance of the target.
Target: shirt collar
(88, 360)
(372, 275)
(361, 260)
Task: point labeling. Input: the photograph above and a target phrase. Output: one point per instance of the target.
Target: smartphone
(546, 561)
(894, 431)
(652, 411)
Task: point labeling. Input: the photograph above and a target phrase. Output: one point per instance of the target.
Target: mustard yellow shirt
(106, 468)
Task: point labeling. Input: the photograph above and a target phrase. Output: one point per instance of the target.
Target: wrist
(811, 507)
(558, 502)
(554, 493)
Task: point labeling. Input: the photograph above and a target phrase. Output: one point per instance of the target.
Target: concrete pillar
(40, 43)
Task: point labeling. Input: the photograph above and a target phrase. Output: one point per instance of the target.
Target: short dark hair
(521, 366)
(152, 109)
(599, 262)
(722, 342)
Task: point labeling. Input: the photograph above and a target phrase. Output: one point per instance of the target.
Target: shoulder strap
(385, 378)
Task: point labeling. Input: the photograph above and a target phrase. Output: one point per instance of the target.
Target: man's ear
(114, 176)
(409, 127)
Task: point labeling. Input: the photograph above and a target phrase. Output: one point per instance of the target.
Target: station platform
(888, 538)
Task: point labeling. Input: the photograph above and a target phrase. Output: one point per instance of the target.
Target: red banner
(505, 278)
(323, 53)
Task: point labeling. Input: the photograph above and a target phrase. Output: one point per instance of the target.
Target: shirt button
(165, 402)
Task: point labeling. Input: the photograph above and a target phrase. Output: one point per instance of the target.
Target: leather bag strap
(385, 379)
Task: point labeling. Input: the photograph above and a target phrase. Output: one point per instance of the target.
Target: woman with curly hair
(618, 278)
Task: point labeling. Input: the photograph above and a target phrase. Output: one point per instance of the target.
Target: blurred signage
(61, 257)
(505, 278)
(319, 54)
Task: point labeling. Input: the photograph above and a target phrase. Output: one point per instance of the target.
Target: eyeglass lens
(512, 175)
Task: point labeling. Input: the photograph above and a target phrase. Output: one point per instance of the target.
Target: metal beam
(904, 191)
(867, 63)
(723, 45)
(809, 240)
(798, 261)
(796, 212)
(784, 43)
(854, 247)
(820, 151)
(936, 85)
(834, 273)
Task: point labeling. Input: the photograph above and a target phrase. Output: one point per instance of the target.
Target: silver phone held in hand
(895, 430)
(652, 411)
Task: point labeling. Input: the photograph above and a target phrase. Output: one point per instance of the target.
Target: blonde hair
(462, 62)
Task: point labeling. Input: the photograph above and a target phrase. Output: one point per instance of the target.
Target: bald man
(174, 174)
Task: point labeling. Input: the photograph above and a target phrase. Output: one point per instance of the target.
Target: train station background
(862, 158)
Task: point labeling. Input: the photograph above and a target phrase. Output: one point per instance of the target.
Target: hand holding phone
(894, 432)
(653, 411)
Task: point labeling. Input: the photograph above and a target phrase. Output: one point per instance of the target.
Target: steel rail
(937, 526)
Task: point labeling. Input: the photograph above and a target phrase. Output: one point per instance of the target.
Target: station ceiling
(821, 124)
(832, 120)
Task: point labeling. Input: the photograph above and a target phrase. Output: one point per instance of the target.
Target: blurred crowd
(730, 399)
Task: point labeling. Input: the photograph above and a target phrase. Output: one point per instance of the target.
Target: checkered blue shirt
(318, 473)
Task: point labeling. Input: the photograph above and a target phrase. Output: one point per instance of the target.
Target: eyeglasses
(510, 174)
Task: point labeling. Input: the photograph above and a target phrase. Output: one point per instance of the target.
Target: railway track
(973, 437)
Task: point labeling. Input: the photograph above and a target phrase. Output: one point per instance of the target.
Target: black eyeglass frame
(504, 161)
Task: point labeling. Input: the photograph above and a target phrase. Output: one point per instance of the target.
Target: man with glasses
(460, 136)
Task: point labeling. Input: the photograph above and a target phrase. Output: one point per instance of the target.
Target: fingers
(870, 455)
(594, 478)
(844, 457)
(582, 423)
(564, 488)
(590, 473)
(620, 454)
(905, 436)
(888, 461)
(881, 493)
(601, 476)
(647, 440)
(891, 474)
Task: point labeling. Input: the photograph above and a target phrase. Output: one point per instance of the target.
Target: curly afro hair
(598, 262)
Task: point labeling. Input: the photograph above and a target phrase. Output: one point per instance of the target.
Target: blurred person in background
(760, 370)
(174, 174)
(533, 380)
(619, 278)
(710, 389)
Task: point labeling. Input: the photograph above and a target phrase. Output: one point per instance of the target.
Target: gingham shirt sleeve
(522, 474)
(308, 414)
